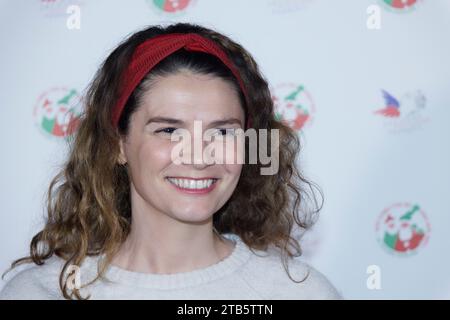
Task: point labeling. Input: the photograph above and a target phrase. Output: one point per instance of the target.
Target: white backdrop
(366, 83)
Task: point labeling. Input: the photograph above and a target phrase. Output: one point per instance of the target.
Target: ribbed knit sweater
(244, 274)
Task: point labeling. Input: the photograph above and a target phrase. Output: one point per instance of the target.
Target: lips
(193, 185)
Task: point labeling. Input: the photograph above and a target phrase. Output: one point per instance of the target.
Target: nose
(198, 158)
(194, 153)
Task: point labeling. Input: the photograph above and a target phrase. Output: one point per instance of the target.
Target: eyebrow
(180, 122)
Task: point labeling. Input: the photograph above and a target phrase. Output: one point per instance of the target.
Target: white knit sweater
(242, 275)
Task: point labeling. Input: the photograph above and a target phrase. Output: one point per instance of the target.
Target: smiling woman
(123, 209)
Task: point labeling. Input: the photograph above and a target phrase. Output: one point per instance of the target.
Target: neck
(158, 243)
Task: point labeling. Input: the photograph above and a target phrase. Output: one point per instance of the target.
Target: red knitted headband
(149, 53)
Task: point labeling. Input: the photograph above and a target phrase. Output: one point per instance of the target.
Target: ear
(122, 158)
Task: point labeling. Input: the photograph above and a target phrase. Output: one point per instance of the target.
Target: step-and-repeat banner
(365, 83)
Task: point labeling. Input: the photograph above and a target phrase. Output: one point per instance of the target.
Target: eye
(226, 131)
(166, 130)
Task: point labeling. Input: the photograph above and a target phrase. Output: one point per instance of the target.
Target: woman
(126, 220)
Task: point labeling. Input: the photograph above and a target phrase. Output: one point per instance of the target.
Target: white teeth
(192, 184)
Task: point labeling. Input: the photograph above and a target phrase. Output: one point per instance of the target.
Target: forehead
(193, 96)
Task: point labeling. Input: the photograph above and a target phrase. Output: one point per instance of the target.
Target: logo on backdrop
(288, 6)
(57, 8)
(403, 229)
(170, 7)
(293, 105)
(400, 6)
(405, 114)
(57, 111)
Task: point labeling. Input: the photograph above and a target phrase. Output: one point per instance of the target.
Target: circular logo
(293, 105)
(170, 6)
(403, 229)
(400, 5)
(57, 111)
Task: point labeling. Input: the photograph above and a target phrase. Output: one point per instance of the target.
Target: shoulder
(316, 285)
(265, 273)
(33, 281)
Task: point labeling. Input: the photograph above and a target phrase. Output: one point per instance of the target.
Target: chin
(192, 214)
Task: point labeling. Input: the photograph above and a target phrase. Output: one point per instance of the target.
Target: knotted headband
(149, 53)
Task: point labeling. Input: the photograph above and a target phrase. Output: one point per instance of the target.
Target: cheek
(234, 170)
(154, 156)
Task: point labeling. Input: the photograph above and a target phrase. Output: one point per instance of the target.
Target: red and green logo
(171, 6)
(400, 5)
(293, 105)
(403, 229)
(57, 111)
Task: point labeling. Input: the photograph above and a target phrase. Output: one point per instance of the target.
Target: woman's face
(183, 97)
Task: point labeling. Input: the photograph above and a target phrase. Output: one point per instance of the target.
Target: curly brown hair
(88, 201)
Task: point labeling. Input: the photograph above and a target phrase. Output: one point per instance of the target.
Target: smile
(193, 185)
